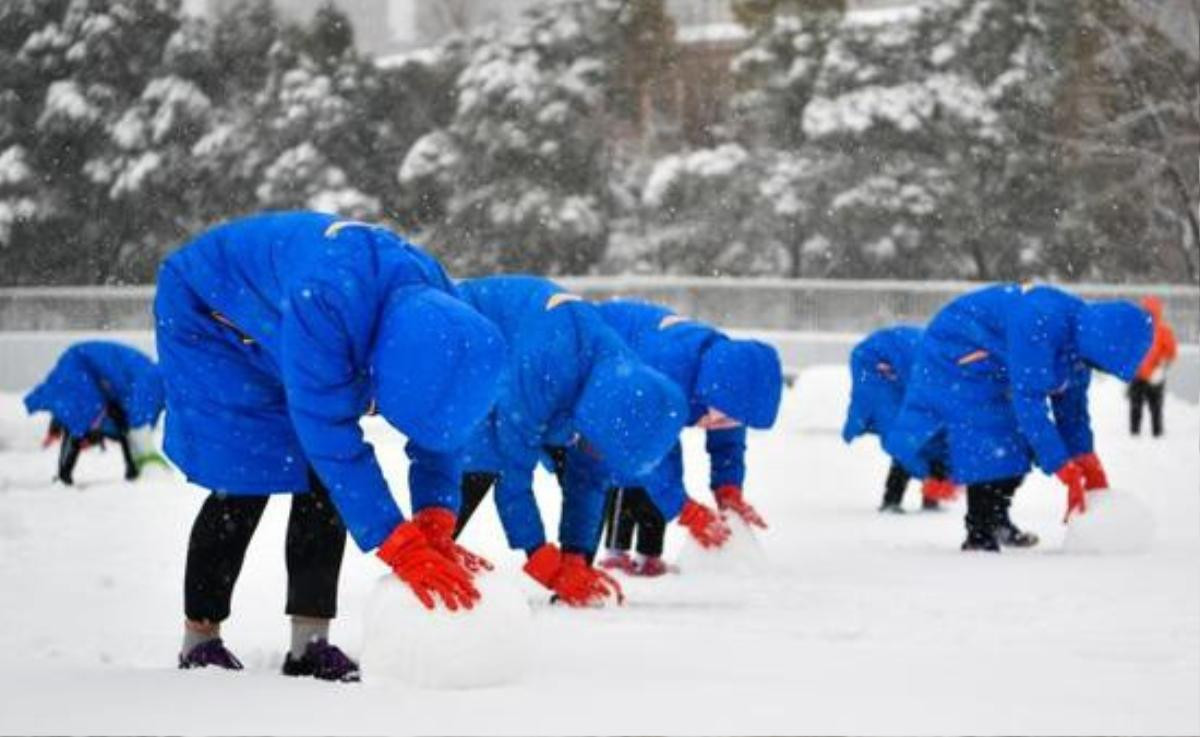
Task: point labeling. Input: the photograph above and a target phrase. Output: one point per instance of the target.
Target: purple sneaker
(211, 652)
(324, 661)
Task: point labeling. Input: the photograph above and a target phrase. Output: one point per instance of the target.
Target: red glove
(438, 525)
(569, 576)
(1074, 477)
(704, 524)
(1093, 473)
(729, 498)
(941, 490)
(425, 570)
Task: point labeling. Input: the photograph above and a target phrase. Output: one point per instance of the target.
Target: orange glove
(1074, 477)
(425, 570)
(704, 524)
(729, 498)
(438, 525)
(941, 490)
(1093, 473)
(572, 580)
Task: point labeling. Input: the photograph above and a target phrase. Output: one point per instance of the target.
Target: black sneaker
(1012, 536)
(323, 661)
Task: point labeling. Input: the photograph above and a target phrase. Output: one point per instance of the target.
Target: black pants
(898, 478)
(316, 541)
(71, 446)
(628, 510)
(1142, 392)
(988, 503)
(475, 487)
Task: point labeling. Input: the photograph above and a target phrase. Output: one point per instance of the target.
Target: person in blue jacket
(569, 381)
(276, 334)
(96, 390)
(880, 366)
(730, 385)
(1004, 372)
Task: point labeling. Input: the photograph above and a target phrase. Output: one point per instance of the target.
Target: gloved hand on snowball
(572, 580)
(416, 561)
(704, 524)
(729, 499)
(941, 490)
(438, 525)
(1081, 474)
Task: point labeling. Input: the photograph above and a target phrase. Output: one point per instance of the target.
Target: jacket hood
(743, 379)
(630, 413)
(435, 367)
(1114, 336)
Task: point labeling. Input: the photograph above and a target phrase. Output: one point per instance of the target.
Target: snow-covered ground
(861, 624)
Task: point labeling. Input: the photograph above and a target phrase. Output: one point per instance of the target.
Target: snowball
(740, 555)
(1116, 521)
(485, 646)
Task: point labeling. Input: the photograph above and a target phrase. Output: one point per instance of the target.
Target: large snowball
(1116, 521)
(741, 554)
(485, 646)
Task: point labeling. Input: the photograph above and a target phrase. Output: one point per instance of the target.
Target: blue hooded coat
(93, 374)
(1004, 372)
(568, 380)
(880, 366)
(742, 378)
(277, 332)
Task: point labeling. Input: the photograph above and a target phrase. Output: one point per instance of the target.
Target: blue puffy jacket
(277, 332)
(1004, 372)
(742, 378)
(568, 378)
(93, 374)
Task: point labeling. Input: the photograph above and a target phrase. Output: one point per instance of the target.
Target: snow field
(855, 622)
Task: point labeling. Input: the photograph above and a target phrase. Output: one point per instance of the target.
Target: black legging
(988, 503)
(316, 541)
(629, 509)
(1141, 393)
(898, 478)
(71, 446)
(475, 487)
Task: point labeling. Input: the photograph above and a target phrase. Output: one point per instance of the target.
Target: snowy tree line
(975, 139)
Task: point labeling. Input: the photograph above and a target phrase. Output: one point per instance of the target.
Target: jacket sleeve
(585, 486)
(434, 478)
(665, 484)
(1033, 337)
(1072, 417)
(70, 394)
(726, 456)
(325, 395)
(518, 509)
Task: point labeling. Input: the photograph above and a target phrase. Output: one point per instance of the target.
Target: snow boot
(322, 661)
(981, 512)
(210, 652)
(1011, 536)
(1007, 533)
(618, 560)
(650, 566)
(890, 508)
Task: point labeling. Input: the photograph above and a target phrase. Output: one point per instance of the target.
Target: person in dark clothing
(1147, 389)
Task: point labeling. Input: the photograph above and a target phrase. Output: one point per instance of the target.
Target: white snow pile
(741, 555)
(1115, 521)
(488, 645)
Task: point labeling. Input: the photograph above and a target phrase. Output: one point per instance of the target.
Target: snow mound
(742, 554)
(1116, 521)
(485, 646)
